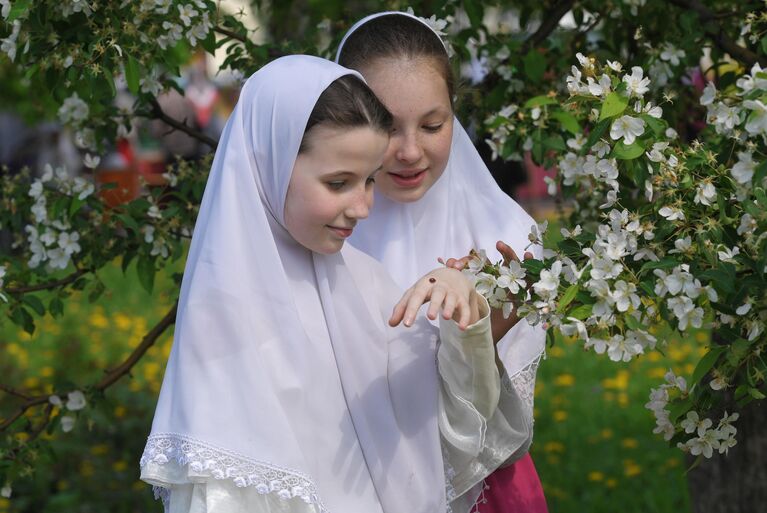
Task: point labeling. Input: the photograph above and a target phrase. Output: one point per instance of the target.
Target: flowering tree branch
(549, 23)
(49, 284)
(717, 34)
(160, 114)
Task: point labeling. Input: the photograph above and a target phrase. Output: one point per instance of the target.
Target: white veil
(284, 377)
(465, 209)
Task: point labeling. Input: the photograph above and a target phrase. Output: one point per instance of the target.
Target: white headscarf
(283, 375)
(465, 209)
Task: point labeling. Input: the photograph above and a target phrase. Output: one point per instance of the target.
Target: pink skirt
(513, 489)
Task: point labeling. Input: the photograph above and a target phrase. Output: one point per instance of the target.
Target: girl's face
(416, 93)
(331, 187)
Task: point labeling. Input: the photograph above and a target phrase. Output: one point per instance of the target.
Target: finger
(506, 251)
(449, 306)
(435, 303)
(451, 262)
(441, 260)
(465, 314)
(528, 255)
(463, 262)
(414, 303)
(398, 312)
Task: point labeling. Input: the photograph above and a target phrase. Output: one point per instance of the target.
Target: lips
(341, 232)
(408, 177)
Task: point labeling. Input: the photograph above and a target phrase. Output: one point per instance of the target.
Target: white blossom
(5, 8)
(8, 44)
(548, 285)
(671, 213)
(709, 94)
(91, 161)
(601, 88)
(628, 128)
(636, 83)
(615, 66)
(757, 120)
(672, 54)
(6, 491)
(743, 170)
(728, 255)
(186, 13)
(512, 277)
(74, 110)
(75, 400)
(705, 194)
(747, 225)
(67, 423)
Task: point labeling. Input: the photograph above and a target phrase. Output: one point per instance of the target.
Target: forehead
(408, 85)
(355, 149)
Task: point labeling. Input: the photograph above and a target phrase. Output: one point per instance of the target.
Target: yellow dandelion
(611, 483)
(122, 321)
(119, 411)
(23, 335)
(86, 468)
(606, 433)
(138, 485)
(98, 320)
(596, 476)
(31, 382)
(654, 356)
(99, 449)
(47, 371)
(656, 372)
(564, 380)
(560, 415)
(689, 368)
(701, 336)
(623, 399)
(629, 443)
(554, 447)
(120, 466)
(555, 352)
(630, 468)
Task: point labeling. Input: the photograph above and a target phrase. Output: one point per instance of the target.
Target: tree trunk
(737, 482)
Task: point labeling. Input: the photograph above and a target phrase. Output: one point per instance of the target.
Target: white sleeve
(483, 421)
(182, 492)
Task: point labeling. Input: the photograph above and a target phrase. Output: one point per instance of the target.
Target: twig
(12, 391)
(147, 342)
(714, 30)
(548, 25)
(48, 285)
(232, 34)
(158, 113)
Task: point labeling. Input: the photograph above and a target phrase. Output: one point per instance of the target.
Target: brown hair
(346, 103)
(395, 36)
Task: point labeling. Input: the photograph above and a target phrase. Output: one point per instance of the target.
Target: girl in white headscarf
(435, 198)
(291, 385)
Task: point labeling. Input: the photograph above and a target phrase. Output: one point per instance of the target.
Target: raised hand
(447, 290)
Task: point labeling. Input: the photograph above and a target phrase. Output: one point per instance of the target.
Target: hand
(504, 249)
(448, 291)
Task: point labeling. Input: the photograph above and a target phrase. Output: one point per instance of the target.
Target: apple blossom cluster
(75, 401)
(54, 241)
(664, 234)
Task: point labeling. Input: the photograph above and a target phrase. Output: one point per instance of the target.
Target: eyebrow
(345, 174)
(435, 110)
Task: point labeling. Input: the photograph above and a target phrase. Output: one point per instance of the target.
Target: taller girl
(435, 198)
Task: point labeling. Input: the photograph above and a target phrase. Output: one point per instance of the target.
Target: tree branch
(112, 376)
(48, 285)
(231, 34)
(547, 25)
(715, 32)
(158, 113)
(147, 342)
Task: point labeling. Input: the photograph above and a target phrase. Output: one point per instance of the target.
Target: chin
(403, 195)
(328, 248)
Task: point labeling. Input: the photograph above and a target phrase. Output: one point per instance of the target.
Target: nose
(407, 148)
(360, 203)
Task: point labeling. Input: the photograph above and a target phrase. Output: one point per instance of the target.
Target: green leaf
(582, 312)
(567, 297)
(132, 73)
(56, 307)
(623, 152)
(474, 11)
(632, 323)
(534, 65)
(34, 303)
(614, 104)
(21, 317)
(656, 125)
(679, 408)
(555, 142)
(764, 44)
(537, 101)
(706, 363)
(595, 135)
(96, 292)
(755, 393)
(146, 271)
(664, 263)
(18, 8)
(567, 120)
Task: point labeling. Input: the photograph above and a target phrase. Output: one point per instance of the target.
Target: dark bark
(736, 482)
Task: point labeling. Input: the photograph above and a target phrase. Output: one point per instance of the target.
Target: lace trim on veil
(523, 382)
(222, 464)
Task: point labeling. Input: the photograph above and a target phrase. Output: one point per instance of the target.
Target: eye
(336, 185)
(433, 128)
